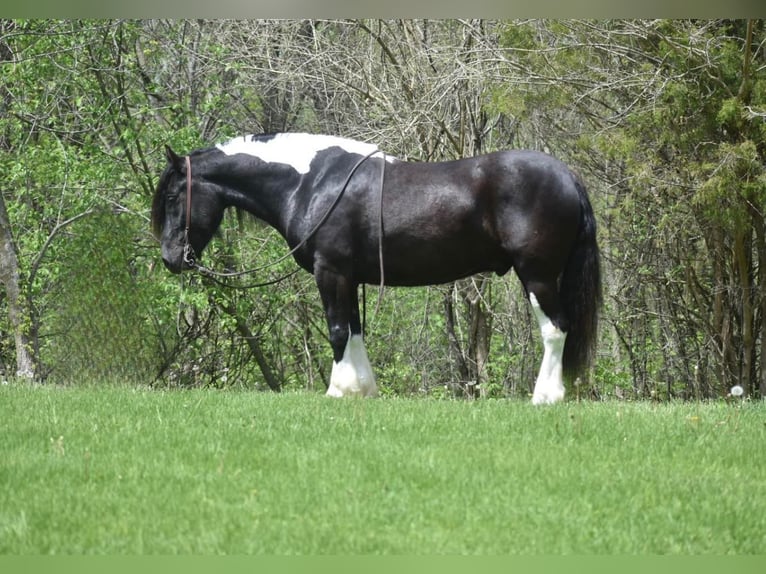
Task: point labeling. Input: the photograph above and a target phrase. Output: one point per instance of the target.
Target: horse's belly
(432, 264)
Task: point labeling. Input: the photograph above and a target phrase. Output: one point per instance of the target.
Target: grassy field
(121, 470)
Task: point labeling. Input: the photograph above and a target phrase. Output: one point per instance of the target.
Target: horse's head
(183, 239)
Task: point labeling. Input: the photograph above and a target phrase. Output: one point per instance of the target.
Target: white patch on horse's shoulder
(294, 149)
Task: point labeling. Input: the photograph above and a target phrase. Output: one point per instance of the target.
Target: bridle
(189, 257)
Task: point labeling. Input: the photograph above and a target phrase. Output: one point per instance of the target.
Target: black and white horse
(353, 214)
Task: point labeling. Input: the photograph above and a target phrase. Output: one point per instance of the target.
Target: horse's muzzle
(178, 258)
(173, 265)
(175, 261)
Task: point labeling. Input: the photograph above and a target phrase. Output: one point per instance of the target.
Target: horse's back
(447, 220)
(494, 194)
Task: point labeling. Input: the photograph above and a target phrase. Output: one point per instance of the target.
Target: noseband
(189, 255)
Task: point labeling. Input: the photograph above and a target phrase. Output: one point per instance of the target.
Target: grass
(122, 470)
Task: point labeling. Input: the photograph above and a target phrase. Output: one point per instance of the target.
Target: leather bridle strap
(188, 249)
(188, 194)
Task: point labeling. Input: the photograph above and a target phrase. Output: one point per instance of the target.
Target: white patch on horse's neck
(294, 149)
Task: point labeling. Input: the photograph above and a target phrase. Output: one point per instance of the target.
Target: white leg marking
(549, 387)
(353, 374)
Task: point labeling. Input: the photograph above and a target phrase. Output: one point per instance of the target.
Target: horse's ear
(173, 158)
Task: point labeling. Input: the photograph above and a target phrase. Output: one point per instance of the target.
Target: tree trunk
(9, 276)
(742, 249)
(454, 341)
(760, 303)
(479, 335)
(255, 348)
(472, 355)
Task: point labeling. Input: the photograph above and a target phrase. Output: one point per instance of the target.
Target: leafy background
(665, 120)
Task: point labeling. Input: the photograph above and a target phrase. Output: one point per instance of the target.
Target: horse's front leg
(351, 370)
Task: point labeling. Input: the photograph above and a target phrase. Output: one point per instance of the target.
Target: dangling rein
(189, 255)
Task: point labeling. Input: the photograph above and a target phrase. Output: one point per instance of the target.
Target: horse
(353, 215)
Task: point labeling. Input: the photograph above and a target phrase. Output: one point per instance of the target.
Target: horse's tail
(580, 291)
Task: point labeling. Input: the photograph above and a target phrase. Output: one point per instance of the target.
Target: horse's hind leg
(351, 370)
(544, 297)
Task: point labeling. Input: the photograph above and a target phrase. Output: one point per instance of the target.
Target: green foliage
(675, 161)
(732, 115)
(656, 115)
(735, 182)
(103, 324)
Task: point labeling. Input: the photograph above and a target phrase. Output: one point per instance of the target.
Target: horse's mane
(158, 202)
(158, 206)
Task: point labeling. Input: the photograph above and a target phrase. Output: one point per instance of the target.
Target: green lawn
(120, 470)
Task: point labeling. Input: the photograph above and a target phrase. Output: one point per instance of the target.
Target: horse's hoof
(547, 399)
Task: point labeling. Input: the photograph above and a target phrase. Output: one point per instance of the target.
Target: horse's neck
(262, 194)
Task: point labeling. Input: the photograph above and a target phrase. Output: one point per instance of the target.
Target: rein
(189, 255)
(188, 250)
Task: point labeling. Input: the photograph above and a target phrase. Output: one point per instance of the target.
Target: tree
(56, 170)
(662, 112)
(9, 276)
(663, 118)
